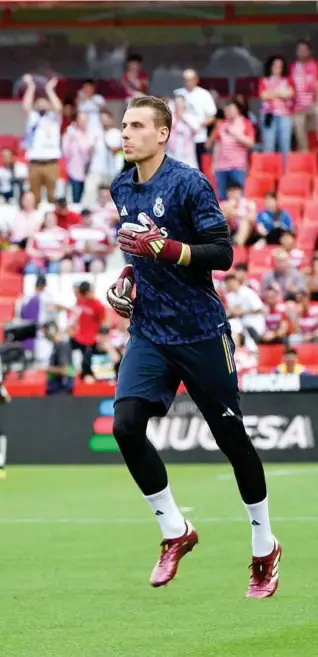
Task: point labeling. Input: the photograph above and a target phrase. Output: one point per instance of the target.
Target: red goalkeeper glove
(119, 294)
(145, 240)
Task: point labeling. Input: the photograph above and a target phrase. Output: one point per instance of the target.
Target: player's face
(142, 139)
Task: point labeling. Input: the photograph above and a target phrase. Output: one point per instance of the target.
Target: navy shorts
(207, 368)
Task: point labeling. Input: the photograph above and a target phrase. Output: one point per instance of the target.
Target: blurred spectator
(201, 105)
(42, 138)
(273, 221)
(68, 114)
(39, 308)
(105, 214)
(60, 370)
(65, 217)
(13, 175)
(276, 91)
(90, 245)
(76, 147)
(134, 80)
(119, 336)
(305, 327)
(26, 222)
(313, 280)
(240, 214)
(246, 112)
(234, 137)
(290, 364)
(283, 275)
(101, 362)
(106, 159)
(245, 360)
(47, 247)
(90, 103)
(181, 144)
(90, 317)
(296, 256)
(242, 275)
(276, 320)
(304, 73)
(244, 309)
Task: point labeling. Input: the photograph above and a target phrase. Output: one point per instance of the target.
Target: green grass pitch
(78, 544)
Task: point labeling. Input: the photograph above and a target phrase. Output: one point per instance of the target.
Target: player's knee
(130, 422)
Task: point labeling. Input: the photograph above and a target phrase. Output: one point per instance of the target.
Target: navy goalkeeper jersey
(174, 304)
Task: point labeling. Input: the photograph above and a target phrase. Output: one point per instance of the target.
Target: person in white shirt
(201, 105)
(181, 144)
(90, 103)
(43, 137)
(106, 158)
(13, 175)
(245, 310)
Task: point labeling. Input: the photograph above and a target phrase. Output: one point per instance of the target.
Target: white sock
(262, 537)
(170, 519)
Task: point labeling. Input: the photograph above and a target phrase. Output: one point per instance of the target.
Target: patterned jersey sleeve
(204, 207)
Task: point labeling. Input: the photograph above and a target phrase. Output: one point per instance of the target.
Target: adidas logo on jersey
(123, 212)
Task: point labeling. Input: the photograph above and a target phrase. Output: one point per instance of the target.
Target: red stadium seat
(266, 163)
(240, 255)
(260, 185)
(307, 236)
(207, 165)
(248, 86)
(308, 353)
(10, 286)
(298, 185)
(315, 188)
(269, 356)
(261, 257)
(221, 85)
(311, 211)
(301, 163)
(12, 262)
(62, 170)
(294, 206)
(8, 141)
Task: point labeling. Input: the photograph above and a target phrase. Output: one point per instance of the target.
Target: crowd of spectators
(68, 223)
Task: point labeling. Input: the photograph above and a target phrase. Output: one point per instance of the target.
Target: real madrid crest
(158, 208)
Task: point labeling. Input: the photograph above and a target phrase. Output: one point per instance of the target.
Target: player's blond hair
(162, 112)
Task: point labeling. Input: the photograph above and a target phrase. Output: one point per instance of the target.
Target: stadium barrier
(65, 429)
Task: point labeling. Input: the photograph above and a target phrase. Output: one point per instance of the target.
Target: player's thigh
(209, 374)
(147, 373)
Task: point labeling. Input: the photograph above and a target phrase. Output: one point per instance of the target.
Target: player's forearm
(215, 251)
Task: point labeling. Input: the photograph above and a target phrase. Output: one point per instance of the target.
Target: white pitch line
(282, 472)
(141, 521)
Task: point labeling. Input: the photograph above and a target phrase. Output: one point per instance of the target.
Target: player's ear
(163, 135)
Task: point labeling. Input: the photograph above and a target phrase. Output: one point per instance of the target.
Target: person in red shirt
(65, 218)
(306, 321)
(91, 315)
(276, 320)
(47, 247)
(234, 136)
(135, 80)
(304, 73)
(276, 91)
(90, 245)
